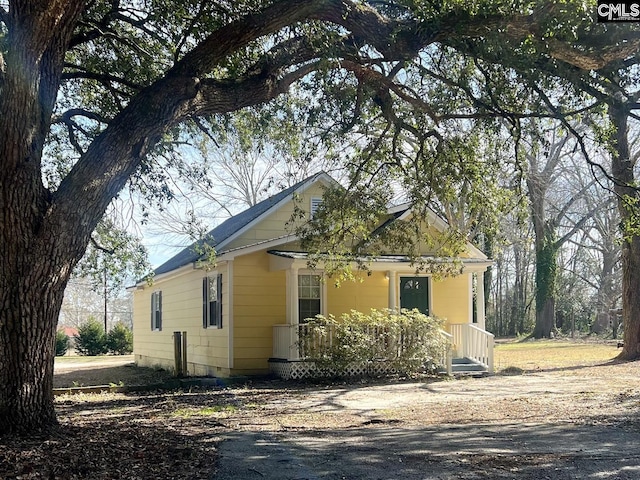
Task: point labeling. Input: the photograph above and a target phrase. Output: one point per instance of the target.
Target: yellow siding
(451, 298)
(372, 292)
(259, 297)
(275, 224)
(207, 349)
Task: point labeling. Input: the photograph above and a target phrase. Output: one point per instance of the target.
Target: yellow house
(241, 315)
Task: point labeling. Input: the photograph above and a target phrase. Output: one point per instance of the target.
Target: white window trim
(323, 290)
(213, 275)
(154, 325)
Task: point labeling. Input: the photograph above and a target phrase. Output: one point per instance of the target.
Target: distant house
(70, 332)
(241, 316)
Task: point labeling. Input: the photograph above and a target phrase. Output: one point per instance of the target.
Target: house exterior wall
(259, 297)
(371, 292)
(274, 225)
(259, 303)
(207, 349)
(452, 298)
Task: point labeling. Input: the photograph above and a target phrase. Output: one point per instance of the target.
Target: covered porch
(393, 284)
(470, 350)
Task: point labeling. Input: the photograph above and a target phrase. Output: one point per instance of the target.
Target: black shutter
(219, 299)
(160, 310)
(205, 302)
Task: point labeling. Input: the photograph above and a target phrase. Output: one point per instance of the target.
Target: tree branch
(574, 198)
(596, 58)
(103, 26)
(74, 112)
(226, 96)
(103, 78)
(577, 226)
(97, 246)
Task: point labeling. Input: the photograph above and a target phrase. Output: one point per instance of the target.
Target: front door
(414, 293)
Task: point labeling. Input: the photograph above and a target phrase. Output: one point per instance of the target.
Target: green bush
(120, 340)
(62, 343)
(91, 339)
(407, 342)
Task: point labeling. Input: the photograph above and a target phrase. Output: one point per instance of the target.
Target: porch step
(466, 366)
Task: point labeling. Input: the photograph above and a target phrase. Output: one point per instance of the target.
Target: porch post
(292, 312)
(392, 290)
(480, 300)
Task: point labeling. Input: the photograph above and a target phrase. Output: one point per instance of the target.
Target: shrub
(91, 339)
(407, 342)
(120, 340)
(62, 343)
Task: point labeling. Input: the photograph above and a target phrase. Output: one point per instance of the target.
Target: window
(156, 311)
(212, 301)
(315, 205)
(309, 296)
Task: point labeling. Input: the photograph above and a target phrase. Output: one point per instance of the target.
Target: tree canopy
(95, 96)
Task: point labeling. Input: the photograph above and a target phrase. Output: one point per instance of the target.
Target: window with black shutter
(212, 301)
(156, 310)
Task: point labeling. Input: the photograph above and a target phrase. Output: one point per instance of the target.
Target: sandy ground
(575, 423)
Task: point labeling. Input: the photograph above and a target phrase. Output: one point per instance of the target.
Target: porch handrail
(282, 345)
(447, 356)
(474, 343)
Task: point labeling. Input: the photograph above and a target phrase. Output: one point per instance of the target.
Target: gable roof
(403, 211)
(235, 225)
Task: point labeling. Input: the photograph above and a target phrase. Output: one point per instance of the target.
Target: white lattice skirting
(296, 370)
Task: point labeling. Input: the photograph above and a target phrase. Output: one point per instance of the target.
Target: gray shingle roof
(228, 228)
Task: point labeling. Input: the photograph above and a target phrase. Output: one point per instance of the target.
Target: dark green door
(414, 293)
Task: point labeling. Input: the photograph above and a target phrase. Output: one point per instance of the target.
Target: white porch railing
(286, 344)
(283, 347)
(472, 342)
(447, 355)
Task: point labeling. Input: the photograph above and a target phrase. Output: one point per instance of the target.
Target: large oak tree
(101, 85)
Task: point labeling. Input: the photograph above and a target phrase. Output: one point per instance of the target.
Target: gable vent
(315, 204)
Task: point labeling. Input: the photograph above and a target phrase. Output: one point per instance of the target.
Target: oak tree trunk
(38, 247)
(630, 298)
(546, 273)
(537, 183)
(622, 170)
(31, 300)
(545, 318)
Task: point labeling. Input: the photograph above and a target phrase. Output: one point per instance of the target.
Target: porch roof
(391, 261)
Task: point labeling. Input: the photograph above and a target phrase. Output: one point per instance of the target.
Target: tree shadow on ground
(117, 437)
(557, 451)
(125, 374)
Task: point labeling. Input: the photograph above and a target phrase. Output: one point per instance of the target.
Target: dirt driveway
(575, 423)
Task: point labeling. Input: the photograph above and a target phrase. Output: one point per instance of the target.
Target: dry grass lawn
(536, 355)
